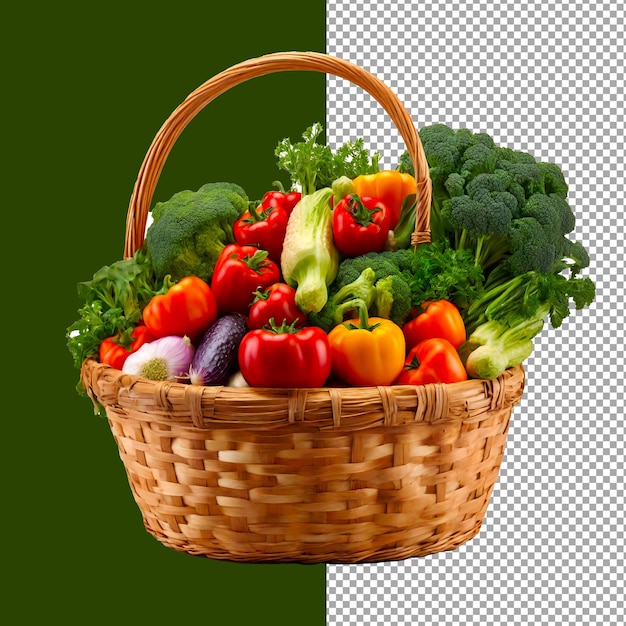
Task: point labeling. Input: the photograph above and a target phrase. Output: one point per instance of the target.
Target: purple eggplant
(216, 355)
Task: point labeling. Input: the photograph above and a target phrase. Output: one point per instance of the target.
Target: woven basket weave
(335, 475)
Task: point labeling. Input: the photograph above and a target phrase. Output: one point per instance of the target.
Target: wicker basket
(335, 475)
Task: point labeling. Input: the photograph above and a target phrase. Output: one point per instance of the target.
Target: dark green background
(86, 89)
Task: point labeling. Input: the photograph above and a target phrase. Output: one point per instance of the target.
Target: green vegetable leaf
(113, 301)
(313, 165)
(441, 273)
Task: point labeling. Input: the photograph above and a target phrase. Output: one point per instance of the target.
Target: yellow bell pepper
(367, 352)
(390, 187)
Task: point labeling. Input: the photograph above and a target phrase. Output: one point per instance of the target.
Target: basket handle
(276, 62)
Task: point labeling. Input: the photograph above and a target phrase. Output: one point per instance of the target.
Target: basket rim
(172, 402)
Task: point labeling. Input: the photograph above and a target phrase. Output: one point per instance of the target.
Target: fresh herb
(313, 165)
(439, 272)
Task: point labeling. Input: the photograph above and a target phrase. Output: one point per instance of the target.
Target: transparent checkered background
(547, 78)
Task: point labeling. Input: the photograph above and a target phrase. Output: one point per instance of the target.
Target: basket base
(442, 544)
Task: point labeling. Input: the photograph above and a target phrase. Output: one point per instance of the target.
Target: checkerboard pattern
(547, 78)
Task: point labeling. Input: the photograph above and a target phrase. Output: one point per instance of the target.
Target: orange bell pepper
(390, 187)
(188, 307)
(367, 352)
(432, 361)
(439, 319)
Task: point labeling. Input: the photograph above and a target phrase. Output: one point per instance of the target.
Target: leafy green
(439, 272)
(502, 323)
(113, 301)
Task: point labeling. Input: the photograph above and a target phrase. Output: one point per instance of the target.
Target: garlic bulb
(161, 359)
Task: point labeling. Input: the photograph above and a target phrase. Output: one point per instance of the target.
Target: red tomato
(277, 302)
(187, 308)
(432, 361)
(285, 357)
(113, 354)
(360, 225)
(440, 319)
(239, 273)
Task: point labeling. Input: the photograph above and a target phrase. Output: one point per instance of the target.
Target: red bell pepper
(113, 353)
(278, 303)
(432, 361)
(187, 308)
(439, 319)
(389, 186)
(285, 356)
(360, 225)
(240, 271)
(263, 227)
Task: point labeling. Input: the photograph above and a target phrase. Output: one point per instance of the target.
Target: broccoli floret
(363, 281)
(526, 174)
(441, 149)
(510, 156)
(403, 259)
(455, 185)
(405, 164)
(545, 211)
(566, 217)
(478, 159)
(190, 229)
(553, 179)
(573, 255)
(481, 223)
(380, 262)
(346, 300)
(531, 248)
(393, 299)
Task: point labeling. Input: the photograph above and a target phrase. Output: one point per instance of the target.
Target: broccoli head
(441, 149)
(190, 229)
(378, 281)
(383, 264)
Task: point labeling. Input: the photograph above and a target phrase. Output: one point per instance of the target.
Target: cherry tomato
(277, 302)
